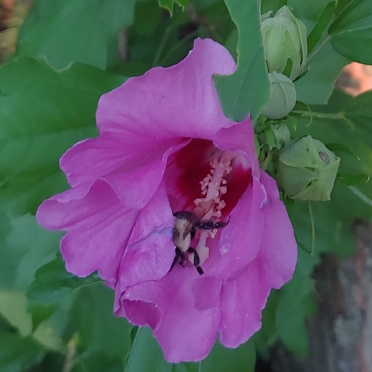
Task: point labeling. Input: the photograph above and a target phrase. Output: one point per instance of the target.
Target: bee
(185, 225)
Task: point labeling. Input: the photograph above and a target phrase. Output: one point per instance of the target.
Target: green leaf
(5, 326)
(73, 30)
(353, 179)
(351, 31)
(324, 66)
(8, 257)
(13, 307)
(295, 303)
(321, 26)
(42, 113)
(97, 362)
(308, 9)
(52, 282)
(98, 329)
(338, 148)
(145, 354)
(40, 312)
(267, 335)
(34, 246)
(148, 16)
(221, 359)
(18, 353)
(247, 89)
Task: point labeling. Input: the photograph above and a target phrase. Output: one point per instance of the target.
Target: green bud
(282, 134)
(284, 41)
(282, 97)
(307, 170)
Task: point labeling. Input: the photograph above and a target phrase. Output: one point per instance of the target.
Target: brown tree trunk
(341, 331)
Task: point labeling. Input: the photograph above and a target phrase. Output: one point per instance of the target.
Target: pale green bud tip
(285, 42)
(282, 97)
(307, 170)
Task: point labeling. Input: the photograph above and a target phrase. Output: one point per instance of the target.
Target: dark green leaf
(146, 355)
(8, 257)
(53, 361)
(42, 113)
(351, 31)
(308, 9)
(324, 66)
(74, 30)
(52, 281)
(34, 247)
(267, 335)
(358, 112)
(353, 179)
(18, 353)
(295, 303)
(221, 359)
(337, 148)
(321, 26)
(93, 319)
(97, 362)
(5, 326)
(40, 312)
(247, 89)
(147, 17)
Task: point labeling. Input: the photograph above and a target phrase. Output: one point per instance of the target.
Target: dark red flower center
(208, 182)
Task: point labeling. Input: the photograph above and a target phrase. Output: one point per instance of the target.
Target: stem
(312, 227)
(163, 41)
(174, 49)
(321, 115)
(364, 198)
(319, 46)
(71, 351)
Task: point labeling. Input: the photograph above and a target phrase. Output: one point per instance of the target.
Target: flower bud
(282, 97)
(307, 170)
(284, 38)
(282, 134)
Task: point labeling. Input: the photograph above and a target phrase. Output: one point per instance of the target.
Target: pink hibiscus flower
(165, 147)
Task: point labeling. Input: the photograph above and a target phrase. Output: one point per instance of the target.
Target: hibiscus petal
(93, 158)
(183, 332)
(278, 253)
(239, 138)
(136, 187)
(207, 292)
(181, 101)
(242, 302)
(97, 226)
(150, 250)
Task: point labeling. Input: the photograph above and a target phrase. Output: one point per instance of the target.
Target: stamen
(213, 187)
